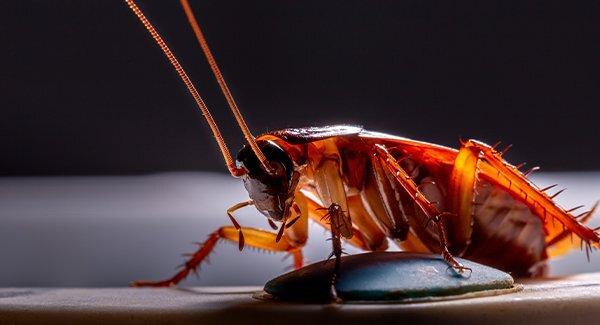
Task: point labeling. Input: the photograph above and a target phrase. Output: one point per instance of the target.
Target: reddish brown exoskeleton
(368, 188)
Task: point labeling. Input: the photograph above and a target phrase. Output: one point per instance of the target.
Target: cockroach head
(270, 190)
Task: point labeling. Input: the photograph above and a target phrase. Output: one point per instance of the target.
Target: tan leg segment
(372, 235)
(419, 198)
(255, 238)
(330, 188)
(317, 212)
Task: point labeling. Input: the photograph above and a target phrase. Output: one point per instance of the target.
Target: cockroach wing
(311, 134)
(438, 159)
(419, 150)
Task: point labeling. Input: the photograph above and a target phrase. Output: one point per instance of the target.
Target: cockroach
(369, 189)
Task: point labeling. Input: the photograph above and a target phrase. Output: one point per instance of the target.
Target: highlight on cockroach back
(371, 189)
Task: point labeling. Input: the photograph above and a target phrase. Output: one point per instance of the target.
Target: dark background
(84, 90)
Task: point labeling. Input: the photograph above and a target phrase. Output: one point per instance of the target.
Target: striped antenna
(233, 169)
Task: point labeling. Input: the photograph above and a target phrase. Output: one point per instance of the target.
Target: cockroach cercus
(370, 189)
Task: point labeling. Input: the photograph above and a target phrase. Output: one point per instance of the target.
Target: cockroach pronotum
(369, 188)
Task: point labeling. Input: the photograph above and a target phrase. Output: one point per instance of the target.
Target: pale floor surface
(575, 300)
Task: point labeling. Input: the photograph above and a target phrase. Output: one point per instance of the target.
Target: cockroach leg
(272, 224)
(337, 251)
(335, 215)
(330, 187)
(365, 228)
(585, 217)
(362, 238)
(237, 226)
(494, 169)
(452, 262)
(421, 200)
(255, 238)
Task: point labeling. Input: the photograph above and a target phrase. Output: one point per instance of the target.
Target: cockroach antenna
(226, 92)
(229, 161)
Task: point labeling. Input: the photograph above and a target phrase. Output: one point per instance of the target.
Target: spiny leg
(421, 200)
(563, 242)
(255, 238)
(477, 160)
(495, 169)
(470, 160)
(334, 216)
(204, 250)
(331, 190)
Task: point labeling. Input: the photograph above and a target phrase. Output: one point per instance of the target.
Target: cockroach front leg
(237, 226)
(251, 237)
(255, 238)
(407, 183)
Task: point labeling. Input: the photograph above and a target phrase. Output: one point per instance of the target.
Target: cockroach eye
(268, 190)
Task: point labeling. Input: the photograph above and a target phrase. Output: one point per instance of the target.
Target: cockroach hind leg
(428, 208)
(494, 169)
